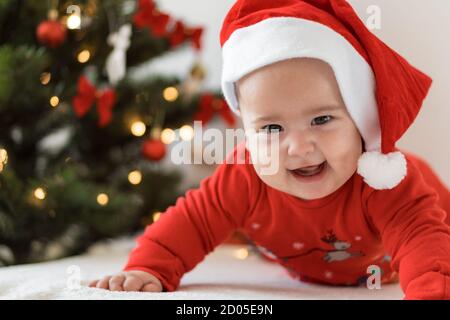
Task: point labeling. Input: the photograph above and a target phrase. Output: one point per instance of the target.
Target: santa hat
(383, 93)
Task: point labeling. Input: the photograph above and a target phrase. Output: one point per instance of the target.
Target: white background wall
(418, 30)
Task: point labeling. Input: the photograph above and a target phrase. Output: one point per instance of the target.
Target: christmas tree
(80, 138)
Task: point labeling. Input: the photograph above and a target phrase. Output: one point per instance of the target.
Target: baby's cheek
(342, 148)
(344, 160)
(342, 163)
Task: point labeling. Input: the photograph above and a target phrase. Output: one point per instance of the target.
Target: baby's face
(300, 100)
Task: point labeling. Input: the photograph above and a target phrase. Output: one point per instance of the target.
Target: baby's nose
(300, 144)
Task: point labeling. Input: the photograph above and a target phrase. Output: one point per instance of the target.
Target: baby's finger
(132, 283)
(93, 283)
(104, 283)
(151, 287)
(115, 283)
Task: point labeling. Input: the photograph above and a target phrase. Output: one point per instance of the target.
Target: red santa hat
(383, 93)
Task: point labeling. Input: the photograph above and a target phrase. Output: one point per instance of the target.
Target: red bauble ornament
(51, 33)
(154, 149)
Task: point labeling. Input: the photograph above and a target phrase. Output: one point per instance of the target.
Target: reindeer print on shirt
(338, 253)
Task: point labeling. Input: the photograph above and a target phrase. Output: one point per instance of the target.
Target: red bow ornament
(88, 94)
(209, 105)
(181, 33)
(148, 16)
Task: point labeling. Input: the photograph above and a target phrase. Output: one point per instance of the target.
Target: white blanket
(220, 276)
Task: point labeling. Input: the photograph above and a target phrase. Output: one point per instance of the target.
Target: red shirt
(329, 240)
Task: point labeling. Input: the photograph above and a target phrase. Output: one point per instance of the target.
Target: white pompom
(382, 171)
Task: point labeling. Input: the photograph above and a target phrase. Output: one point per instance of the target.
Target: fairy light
(45, 78)
(102, 199)
(73, 21)
(3, 158)
(138, 128)
(186, 132)
(52, 14)
(241, 253)
(84, 56)
(54, 101)
(135, 177)
(167, 136)
(39, 193)
(156, 216)
(170, 94)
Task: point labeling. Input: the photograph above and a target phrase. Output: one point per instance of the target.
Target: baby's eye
(321, 120)
(272, 128)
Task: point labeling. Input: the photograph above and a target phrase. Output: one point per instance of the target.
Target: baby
(310, 76)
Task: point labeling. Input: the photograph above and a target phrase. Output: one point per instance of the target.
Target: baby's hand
(133, 280)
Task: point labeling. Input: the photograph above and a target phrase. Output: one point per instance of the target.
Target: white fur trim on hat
(382, 171)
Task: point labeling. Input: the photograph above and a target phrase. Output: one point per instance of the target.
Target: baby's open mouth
(309, 171)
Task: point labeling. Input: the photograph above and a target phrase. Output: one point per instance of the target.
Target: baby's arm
(413, 231)
(189, 230)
